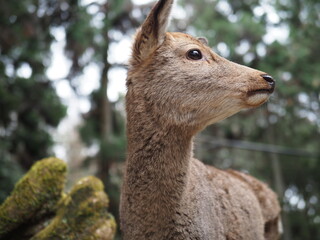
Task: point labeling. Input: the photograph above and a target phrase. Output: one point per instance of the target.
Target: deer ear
(152, 32)
(203, 40)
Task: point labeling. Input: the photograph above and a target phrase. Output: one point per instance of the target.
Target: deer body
(176, 87)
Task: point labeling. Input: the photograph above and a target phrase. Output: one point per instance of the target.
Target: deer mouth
(261, 91)
(257, 97)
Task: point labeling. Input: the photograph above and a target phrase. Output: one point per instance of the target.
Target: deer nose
(269, 79)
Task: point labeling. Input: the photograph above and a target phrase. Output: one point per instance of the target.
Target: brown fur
(167, 194)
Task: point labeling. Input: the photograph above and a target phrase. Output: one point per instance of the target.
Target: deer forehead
(182, 42)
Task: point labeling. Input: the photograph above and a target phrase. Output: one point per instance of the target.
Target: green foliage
(29, 103)
(10, 172)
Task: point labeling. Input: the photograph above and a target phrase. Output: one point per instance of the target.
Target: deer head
(181, 81)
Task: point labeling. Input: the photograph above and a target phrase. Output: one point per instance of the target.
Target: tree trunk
(278, 179)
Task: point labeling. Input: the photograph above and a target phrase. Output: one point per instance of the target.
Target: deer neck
(157, 164)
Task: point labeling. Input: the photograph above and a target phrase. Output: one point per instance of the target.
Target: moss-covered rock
(82, 214)
(34, 196)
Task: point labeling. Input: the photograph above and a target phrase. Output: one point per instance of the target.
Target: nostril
(268, 78)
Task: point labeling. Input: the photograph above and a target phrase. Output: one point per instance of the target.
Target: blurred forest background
(75, 117)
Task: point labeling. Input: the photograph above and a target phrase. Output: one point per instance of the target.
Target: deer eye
(194, 54)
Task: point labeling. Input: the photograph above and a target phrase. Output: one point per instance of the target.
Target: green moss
(82, 214)
(35, 195)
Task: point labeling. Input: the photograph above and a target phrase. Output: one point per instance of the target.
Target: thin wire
(260, 147)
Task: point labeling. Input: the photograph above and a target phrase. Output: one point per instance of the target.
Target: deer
(176, 86)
